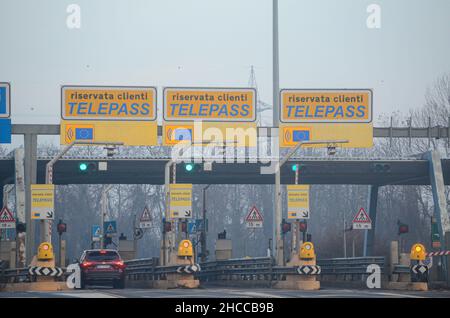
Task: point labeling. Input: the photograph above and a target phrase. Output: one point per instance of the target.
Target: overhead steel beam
(437, 132)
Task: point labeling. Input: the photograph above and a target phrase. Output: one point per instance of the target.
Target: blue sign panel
(183, 134)
(96, 231)
(192, 227)
(195, 226)
(84, 133)
(5, 106)
(110, 227)
(300, 135)
(5, 131)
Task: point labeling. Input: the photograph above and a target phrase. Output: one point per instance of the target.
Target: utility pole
(275, 119)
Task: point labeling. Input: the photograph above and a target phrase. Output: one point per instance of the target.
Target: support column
(369, 235)
(20, 205)
(440, 202)
(30, 164)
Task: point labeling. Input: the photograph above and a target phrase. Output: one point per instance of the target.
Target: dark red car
(102, 266)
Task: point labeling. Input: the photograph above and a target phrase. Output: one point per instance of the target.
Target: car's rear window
(102, 256)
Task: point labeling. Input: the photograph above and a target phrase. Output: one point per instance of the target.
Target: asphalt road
(216, 292)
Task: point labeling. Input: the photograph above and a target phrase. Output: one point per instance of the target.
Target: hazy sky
(323, 44)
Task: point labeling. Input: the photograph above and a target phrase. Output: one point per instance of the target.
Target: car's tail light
(86, 264)
(119, 264)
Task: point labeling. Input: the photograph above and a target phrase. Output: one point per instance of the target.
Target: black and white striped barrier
(439, 253)
(309, 270)
(45, 271)
(188, 269)
(419, 273)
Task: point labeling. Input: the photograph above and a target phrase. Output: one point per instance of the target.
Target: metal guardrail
(248, 269)
(401, 269)
(350, 266)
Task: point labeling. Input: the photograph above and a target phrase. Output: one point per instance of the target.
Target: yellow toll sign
(180, 201)
(308, 115)
(298, 201)
(108, 103)
(42, 201)
(210, 104)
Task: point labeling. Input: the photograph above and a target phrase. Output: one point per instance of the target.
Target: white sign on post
(254, 218)
(145, 221)
(7, 220)
(362, 221)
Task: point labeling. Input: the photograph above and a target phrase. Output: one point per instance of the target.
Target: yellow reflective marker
(45, 251)
(131, 133)
(108, 103)
(185, 248)
(418, 252)
(307, 251)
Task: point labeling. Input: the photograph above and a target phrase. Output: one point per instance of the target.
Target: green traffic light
(294, 167)
(189, 167)
(82, 166)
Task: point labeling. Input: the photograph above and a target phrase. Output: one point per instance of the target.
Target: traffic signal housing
(61, 227)
(21, 227)
(303, 226)
(87, 167)
(285, 226)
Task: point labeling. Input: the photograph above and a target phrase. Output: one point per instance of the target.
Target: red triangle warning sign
(146, 217)
(362, 217)
(6, 216)
(254, 215)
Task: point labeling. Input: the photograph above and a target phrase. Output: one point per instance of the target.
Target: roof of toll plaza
(146, 170)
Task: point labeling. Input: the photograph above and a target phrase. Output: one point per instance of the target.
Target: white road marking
(90, 295)
(397, 295)
(255, 294)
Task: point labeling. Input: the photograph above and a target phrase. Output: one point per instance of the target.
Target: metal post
(167, 211)
(345, 238)
(278, 208)
(46, 234)
(275, 110)
(276, 65)
(30, 165)
(103, 214)
(203, 240)
(60, 249)
(279, 250)
(369, 235)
